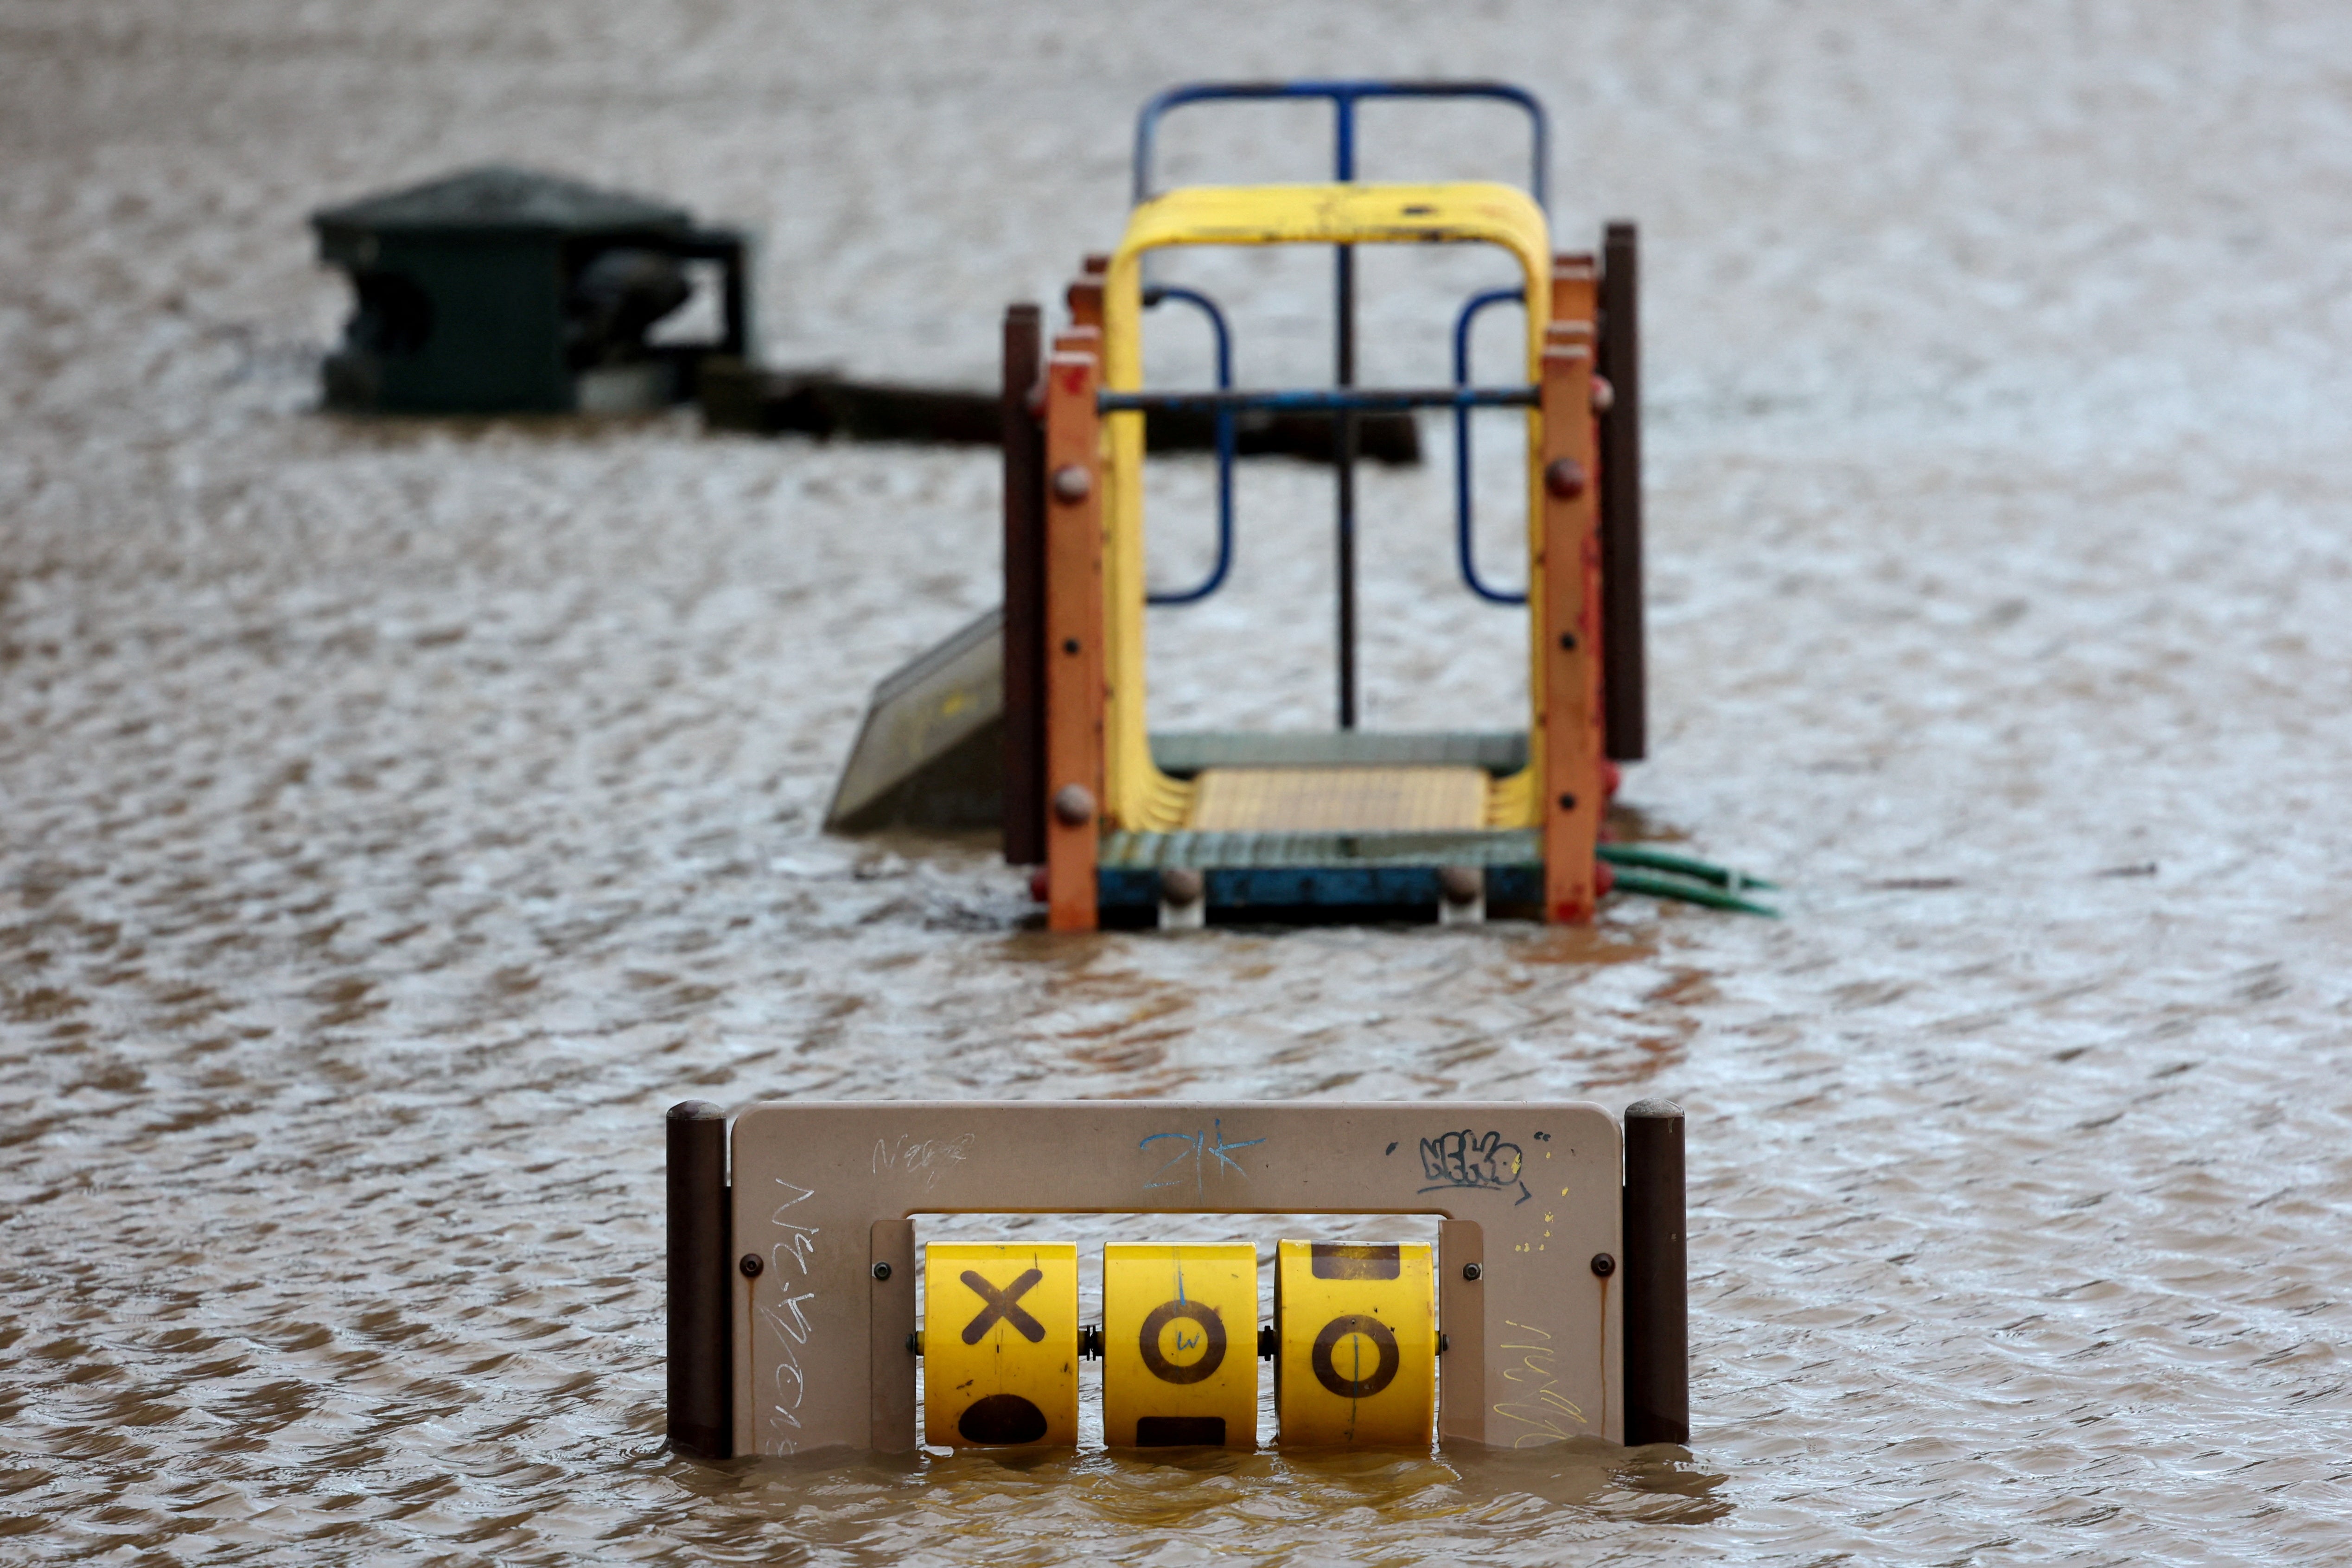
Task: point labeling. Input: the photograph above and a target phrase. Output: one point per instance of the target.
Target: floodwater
(400, 815)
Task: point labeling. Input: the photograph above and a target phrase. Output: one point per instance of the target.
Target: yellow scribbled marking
(1545, 1406)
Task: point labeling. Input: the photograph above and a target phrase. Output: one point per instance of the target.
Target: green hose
(1637, 881)
(1641, 855)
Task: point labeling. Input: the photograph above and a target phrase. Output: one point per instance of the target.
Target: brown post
(1572, 803)
(1658, 1277)
(1024, 592)
(1624, 663)
(701, 1338)
(1075, 694)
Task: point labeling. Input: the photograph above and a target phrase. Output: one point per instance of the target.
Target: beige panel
(1541, 1182)
(1461, 1308)
(891, 1393)
(1311, 800)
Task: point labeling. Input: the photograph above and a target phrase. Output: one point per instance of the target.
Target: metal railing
(1344, 95)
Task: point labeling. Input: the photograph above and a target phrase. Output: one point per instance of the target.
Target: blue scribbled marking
(1201, 1149)
(1466, 1161)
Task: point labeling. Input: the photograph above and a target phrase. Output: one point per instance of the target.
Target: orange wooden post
(1575, 286)
(1576, 312)
(1572, 801)
(1074, 630)
(1085, 296)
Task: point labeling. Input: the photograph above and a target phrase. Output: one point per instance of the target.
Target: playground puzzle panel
(825, 1199)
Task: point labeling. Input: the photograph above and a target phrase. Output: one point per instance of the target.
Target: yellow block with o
(1179, 1346)
(1000, 1346)
(1357, 1332)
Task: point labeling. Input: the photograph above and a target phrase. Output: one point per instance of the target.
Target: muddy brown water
(400, 815)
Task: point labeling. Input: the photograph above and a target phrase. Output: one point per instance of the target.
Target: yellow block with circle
(1000, 1346)
(1358, 1357)
(1180, 1347)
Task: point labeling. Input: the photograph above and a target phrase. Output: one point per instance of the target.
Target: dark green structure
(500, 290)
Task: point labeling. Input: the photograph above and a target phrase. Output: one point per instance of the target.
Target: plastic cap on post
(1183, 885)
(1073, 805)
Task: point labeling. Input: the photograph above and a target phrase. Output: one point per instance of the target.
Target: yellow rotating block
(1357, 1362)
(1000, 1346)
(1179, 1346)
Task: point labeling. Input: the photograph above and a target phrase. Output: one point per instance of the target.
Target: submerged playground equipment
(1038, 709)
(498, 290)
(1552, 1307)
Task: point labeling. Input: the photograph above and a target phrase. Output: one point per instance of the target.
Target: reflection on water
(399, 816)
(1480, 1505)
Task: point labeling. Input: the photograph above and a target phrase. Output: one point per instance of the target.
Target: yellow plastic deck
(1138, 797)
(1337, 800)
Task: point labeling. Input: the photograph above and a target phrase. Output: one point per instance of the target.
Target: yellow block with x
(1000, 1346)
(1357, 1361)
(1180, 1347)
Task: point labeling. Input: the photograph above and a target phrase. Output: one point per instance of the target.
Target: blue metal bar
(1463, 549)
(1217, 578)
(1343, 429)
(1146, 120)
(1324, 399)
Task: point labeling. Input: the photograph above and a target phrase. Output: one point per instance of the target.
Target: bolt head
(751, 1265)
(1072, 484)
(881, 1271)
(1073, 805)
(1604, 397)
(1564, 477)
(1182, 886)
(1474, 1271)
(1603, 1265)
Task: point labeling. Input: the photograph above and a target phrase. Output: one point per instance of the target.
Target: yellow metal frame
(1138, 796)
